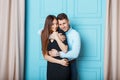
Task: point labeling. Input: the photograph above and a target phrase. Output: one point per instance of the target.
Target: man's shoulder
(73, 31)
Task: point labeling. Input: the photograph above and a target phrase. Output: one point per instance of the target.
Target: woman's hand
(64, 62)
(54, 35)
(53, 53)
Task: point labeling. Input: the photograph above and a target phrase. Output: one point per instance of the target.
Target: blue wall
(86, 16)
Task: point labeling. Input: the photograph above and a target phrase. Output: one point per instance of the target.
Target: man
(74, 43)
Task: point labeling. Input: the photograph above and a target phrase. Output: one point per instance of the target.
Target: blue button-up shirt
(74, 44)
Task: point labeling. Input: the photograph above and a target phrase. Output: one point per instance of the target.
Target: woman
(57, 68)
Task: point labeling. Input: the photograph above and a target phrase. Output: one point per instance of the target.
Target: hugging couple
(60, 47)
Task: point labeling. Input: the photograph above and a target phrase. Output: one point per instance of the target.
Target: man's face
(63, 24)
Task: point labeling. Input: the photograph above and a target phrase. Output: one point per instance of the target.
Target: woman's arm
(62, 46)
(63, 62)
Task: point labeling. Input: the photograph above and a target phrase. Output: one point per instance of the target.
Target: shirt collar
(69, 30)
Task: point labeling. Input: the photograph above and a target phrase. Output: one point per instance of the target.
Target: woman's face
(54, 25)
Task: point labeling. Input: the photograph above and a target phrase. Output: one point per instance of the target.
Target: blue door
(86, 16)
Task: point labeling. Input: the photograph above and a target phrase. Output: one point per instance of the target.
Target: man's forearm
(69, 55)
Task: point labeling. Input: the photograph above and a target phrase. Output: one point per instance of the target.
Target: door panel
(86, 16)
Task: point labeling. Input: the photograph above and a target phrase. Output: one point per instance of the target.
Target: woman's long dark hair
(46, 32)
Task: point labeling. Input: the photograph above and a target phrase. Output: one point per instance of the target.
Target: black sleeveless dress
(57, 71)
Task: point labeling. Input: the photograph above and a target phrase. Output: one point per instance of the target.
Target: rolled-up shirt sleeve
(74, 52)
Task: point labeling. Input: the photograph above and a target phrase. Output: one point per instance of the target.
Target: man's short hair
(62, 16)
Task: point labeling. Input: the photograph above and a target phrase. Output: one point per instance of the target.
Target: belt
(72, 61)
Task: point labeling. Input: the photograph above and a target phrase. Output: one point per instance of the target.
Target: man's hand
(53, 53)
